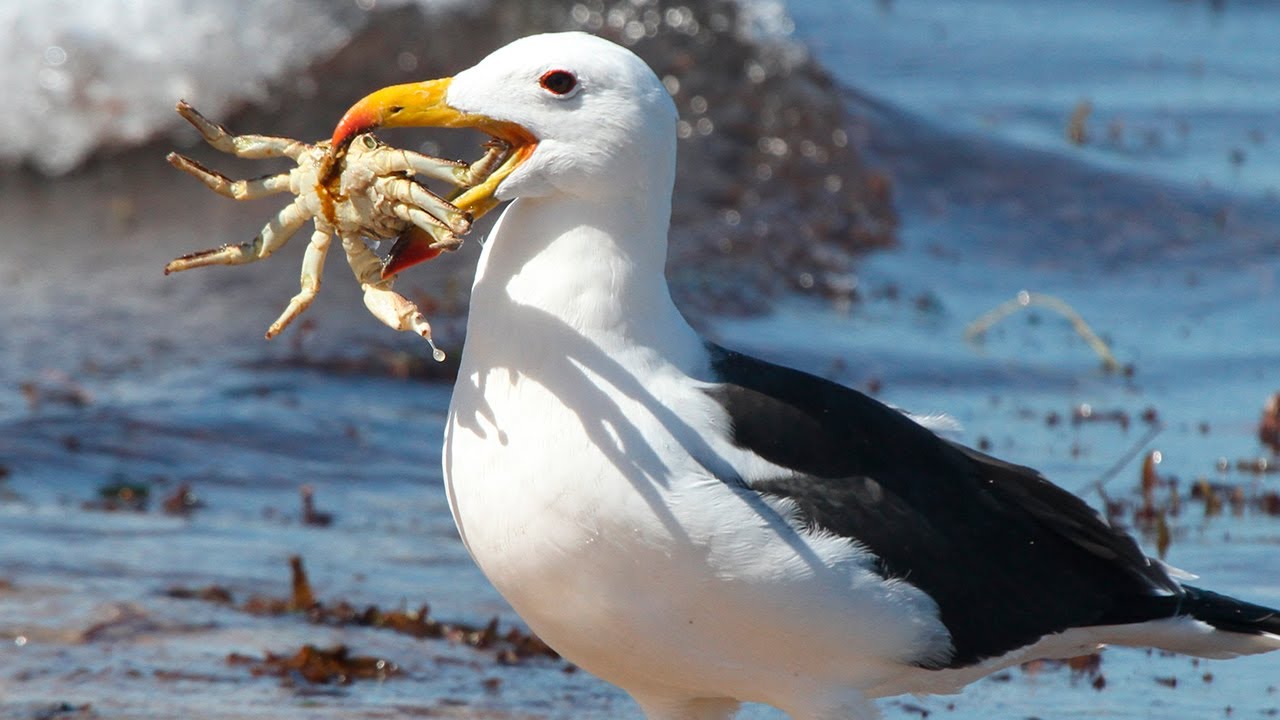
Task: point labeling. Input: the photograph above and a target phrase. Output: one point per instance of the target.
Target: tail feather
(1199, 622)
(1229, 614)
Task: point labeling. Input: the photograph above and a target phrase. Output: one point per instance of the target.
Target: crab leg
(393, 309)
(271, 238)
(441, 212)
(450, 171)
(407, 161)
(477, 172)
(223, 185)
(312, 269)
(245, 146)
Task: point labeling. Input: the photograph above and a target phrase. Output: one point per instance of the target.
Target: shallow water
(141, 378)
(1176, 88)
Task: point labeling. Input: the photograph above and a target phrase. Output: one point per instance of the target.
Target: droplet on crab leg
(418, 323)
(436, 352)
(399, 313)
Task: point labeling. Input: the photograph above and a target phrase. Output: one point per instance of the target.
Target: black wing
(1008, 556)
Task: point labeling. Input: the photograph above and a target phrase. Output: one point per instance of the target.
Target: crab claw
(412, 247)
(425, 104)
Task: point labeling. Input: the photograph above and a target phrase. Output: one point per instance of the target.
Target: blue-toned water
(1182, 91)
(1155, 229)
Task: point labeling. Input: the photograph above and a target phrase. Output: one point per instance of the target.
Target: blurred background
(860, 183)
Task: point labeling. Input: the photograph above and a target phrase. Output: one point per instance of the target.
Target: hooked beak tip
(358, 119)
(425, 104)
(411, 104)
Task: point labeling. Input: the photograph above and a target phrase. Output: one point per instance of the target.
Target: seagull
(702, 528)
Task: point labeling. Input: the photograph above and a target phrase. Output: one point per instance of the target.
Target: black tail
(1235, 627)
(1227, 613)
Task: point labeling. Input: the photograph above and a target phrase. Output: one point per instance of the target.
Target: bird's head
(584, 116)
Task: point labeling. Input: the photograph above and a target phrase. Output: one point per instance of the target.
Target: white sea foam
(83, 75)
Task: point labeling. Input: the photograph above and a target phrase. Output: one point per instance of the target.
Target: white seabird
(703, 528)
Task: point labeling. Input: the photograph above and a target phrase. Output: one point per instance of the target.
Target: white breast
(592, 480)
(601, 522)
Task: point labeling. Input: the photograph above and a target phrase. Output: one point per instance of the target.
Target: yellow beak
(423, 104)
(408, 105)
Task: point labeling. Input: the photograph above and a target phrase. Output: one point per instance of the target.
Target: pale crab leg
(271, 238)
(436, 212)
(495, 153)
(223, 185)
(393, 309)
(312, 269)
(245, 146)
(407, 161)
(450, 171)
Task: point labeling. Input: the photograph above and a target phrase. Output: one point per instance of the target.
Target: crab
(367, 191)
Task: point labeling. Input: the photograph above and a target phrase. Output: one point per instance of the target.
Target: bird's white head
(585, 117)
(603, 122)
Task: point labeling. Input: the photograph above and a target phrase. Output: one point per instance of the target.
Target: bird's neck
(597, 269)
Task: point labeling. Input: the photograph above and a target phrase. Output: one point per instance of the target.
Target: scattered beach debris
(1158, 499)
(1078, 124)
(7, 494)
(320, 666)
(120, 621)
(910, 707)
(1120, 464)
(1257, 466)
(1086, 413)
(1269, 426)
(123, 494)
(120, 494)
(54, 387)
(1087, 667)
(1025, 299)
(311, 516)
(209, 593)
(509, 647)
(182, 501)
(52, 711)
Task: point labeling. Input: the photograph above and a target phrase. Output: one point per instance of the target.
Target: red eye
(560, 82)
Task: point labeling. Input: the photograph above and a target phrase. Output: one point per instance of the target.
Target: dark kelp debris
(7, 494)
(182, 501)
(318, 665)
(310, 515)
(1086, 413)
(1083, 667)
(510, 647)
(51, 711)
(1160, 499)
(123, 494)
(120, 494)
(210, 593)
(1257, 466)
(301, 598)
(1269, 425)
(54, 388)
